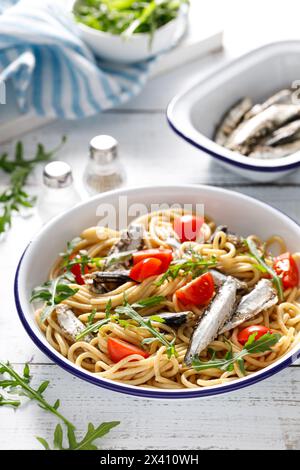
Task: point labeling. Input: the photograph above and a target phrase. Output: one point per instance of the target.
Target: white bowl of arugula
(129, 31)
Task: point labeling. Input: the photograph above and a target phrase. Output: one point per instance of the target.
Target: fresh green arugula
(130, 312)
(71, 246)
(94, 327)
(83, 259)
(53, 293)
(253, 346)
(127, 17)
(194, 267)
(91, 317)
(14, 197)
(5, 401)
(20, 384)
(264, 267)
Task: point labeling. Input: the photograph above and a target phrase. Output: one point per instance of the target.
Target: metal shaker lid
(103, 148)
(57, 174)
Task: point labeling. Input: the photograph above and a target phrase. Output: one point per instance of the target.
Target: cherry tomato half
(197, 292)
(146, 268)
(188, 227)
(286, 268)
(165, 256)
(245, 334)
(76, 270)
(118, 349)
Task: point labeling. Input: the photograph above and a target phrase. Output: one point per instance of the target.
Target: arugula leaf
(20, 384)
(149, 301)
(53, 293)
(91, 317)
(7, 402)
(108, 307)
(129, 311)
(266, 268)
(70, 248)
(14, 197)
(263, 344)
(194, 267)
(93, 328)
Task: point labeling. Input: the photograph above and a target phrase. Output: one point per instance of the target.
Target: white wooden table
(263, 416)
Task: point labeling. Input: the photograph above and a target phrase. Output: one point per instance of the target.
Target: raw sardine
(281, 97)
(231, 120)
(264, 152)
(285, 134)
(249, 132)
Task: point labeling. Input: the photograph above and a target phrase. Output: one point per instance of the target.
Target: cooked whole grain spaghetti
(169, 309)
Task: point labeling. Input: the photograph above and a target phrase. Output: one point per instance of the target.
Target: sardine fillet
(218, 312)
(69, 323)
(262, 297)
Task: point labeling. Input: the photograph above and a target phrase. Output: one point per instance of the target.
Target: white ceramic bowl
(224, 206)
(195, 113)
(138, 47)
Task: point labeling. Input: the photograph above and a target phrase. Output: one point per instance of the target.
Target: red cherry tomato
(244, 334)
(76, 270)
(145, 268)
(197, 292)
(165, 256)
(188, 227)
(118, 349)
(286, 268)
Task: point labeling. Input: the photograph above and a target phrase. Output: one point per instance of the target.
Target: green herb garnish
(14, 198)
(193, 267)
(5, 401)
(134, 315)
(127, 17)
(252, 346)
(94, 327)
(15, 383)
(264, 267)
(91, 317)
(149, 301)
(53, 293)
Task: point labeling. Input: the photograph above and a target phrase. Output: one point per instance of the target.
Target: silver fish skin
(249, 132)
(131, 239)
(217, 313)
(262, 297)
(70, 324)
(264, 152)
(220, 278)
(231, 120)
(281, 97)
(285, 134)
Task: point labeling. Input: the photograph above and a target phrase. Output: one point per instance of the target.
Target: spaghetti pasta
(158, 370)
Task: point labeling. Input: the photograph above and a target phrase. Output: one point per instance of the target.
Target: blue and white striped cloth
(53, 72)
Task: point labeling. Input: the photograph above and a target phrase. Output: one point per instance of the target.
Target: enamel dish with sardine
(177, 302)
(247, 113)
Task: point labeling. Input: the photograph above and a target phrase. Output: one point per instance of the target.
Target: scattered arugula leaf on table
(14, 197)
(20, 384)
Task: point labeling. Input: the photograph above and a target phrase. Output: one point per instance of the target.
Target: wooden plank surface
(266, 415)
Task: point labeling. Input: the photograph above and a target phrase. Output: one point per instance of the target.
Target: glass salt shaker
(58, 192)
(104, 171)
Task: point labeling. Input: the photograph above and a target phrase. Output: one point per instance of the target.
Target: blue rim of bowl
(143, 392)
(219, 156)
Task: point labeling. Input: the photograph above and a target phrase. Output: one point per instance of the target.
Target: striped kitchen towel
(53, 72)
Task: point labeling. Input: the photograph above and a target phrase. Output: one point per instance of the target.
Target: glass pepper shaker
(58, 193)
(104, 171)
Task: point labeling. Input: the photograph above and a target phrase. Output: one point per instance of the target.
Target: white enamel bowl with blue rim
(195, 113)
(242, 214)
(139, 46)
